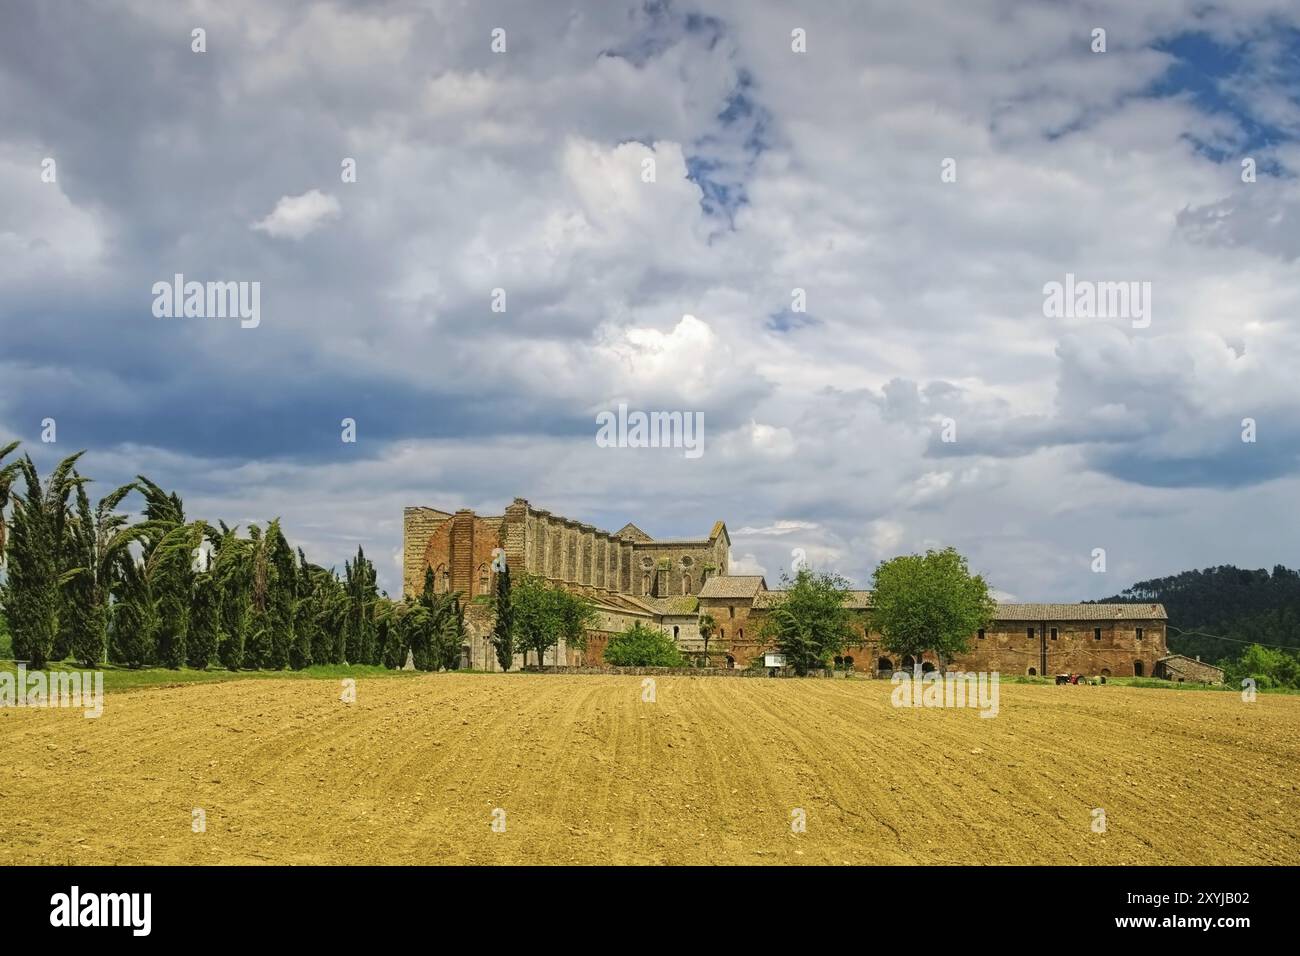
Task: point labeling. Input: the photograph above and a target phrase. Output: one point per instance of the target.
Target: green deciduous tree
(642, 646)
(1267, 666)
(929, 601)
(810, 622)
(575, 615)
(533, 616)
(541, 614)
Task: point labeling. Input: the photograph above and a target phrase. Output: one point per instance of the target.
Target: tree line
(919, 602)
(533, 615)
(1246, 620)
(84, 582)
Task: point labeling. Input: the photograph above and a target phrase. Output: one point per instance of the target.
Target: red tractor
(1071, 679)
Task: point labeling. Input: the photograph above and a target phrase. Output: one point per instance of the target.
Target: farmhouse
(670, 583)
(1181, 668)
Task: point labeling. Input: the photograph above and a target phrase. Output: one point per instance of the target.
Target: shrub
(641, 646)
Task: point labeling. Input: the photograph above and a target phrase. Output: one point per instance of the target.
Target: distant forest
(1232, 603)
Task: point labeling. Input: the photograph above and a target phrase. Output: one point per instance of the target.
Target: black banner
(214, 904)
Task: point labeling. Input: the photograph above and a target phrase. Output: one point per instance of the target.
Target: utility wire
(1234, 640)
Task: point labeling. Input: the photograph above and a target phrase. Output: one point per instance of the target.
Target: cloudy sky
(774, 171)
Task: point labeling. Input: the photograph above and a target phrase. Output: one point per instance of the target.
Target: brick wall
(1006, 646)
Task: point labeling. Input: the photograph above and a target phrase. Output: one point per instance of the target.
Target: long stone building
(670, 583)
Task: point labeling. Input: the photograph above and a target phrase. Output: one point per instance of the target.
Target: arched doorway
(909, 663)
(1033, 672)
(885, 664)
(1105, 672)
(1137, 668)
(848, 662)
(731, 661)
(927, 666)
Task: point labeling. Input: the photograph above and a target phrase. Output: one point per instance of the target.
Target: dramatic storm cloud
(837, 255)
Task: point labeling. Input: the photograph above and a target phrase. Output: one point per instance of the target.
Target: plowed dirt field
(711, 772)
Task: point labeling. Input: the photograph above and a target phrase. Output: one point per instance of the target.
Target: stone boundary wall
(666, 671)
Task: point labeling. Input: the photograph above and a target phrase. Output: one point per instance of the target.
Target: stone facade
(673, 583)
(460, 548)
(1028, 639)
(1180, 668)
(628, 575)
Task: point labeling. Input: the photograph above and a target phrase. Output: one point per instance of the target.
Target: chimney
(1198, 658)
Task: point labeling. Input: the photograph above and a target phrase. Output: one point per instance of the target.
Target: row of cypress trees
(86, 583)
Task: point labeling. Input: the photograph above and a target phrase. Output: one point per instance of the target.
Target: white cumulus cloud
(295, 217)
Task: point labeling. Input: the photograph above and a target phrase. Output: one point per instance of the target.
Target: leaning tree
(36, 550)
(100, 538)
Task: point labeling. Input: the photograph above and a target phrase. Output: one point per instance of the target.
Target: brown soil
(709, 773)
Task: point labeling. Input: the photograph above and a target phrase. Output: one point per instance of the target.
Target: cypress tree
(359, 630)
(452, 634)
(7, 475)
(257, 645)
(332, 618)
(233, 572)
(98, 542)
(306, 614)
(31, 586)
(502, 637)
(134, 616)
(234, 632)
(391, 638)
(205, 622)
(32, 595)
(88, 625)
(168, 558)
(282, 592)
